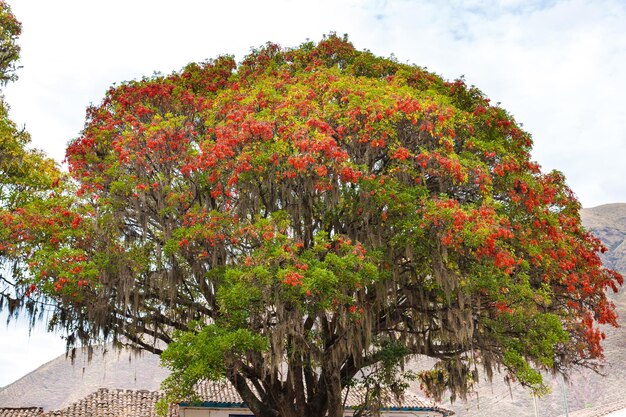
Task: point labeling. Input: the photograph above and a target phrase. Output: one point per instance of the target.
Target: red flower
(293, 278)
(401, 153)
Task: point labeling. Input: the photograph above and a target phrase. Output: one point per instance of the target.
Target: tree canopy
(309, 219)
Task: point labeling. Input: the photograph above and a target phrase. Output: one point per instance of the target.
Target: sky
(558, 66)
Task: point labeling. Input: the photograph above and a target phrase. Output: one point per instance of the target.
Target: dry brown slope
(608, 222)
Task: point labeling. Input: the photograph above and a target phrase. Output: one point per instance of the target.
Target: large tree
(311, 217)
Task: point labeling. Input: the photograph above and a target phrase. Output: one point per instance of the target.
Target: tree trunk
(333, 387)
(278, 402)
(259, 408)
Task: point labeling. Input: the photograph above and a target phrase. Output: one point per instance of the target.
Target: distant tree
(10, 30)
(310, 216)
(23, 172)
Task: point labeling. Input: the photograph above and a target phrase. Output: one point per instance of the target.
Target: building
(226, 402)
(219, 399)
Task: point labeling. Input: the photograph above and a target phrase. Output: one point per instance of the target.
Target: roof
(223, 393)
(21, 412)
(601, 410)
(114, 403)
(409, 401)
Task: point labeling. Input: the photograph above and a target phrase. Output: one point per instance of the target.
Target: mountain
(608, 222)
(59, 383)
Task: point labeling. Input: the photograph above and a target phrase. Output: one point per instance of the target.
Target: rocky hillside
(58, 383)
(608, 222)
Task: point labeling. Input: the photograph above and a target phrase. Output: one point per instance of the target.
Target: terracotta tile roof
(114, 403)
(21, 412)
(410, 400)
(221, 392)
(599, 411)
